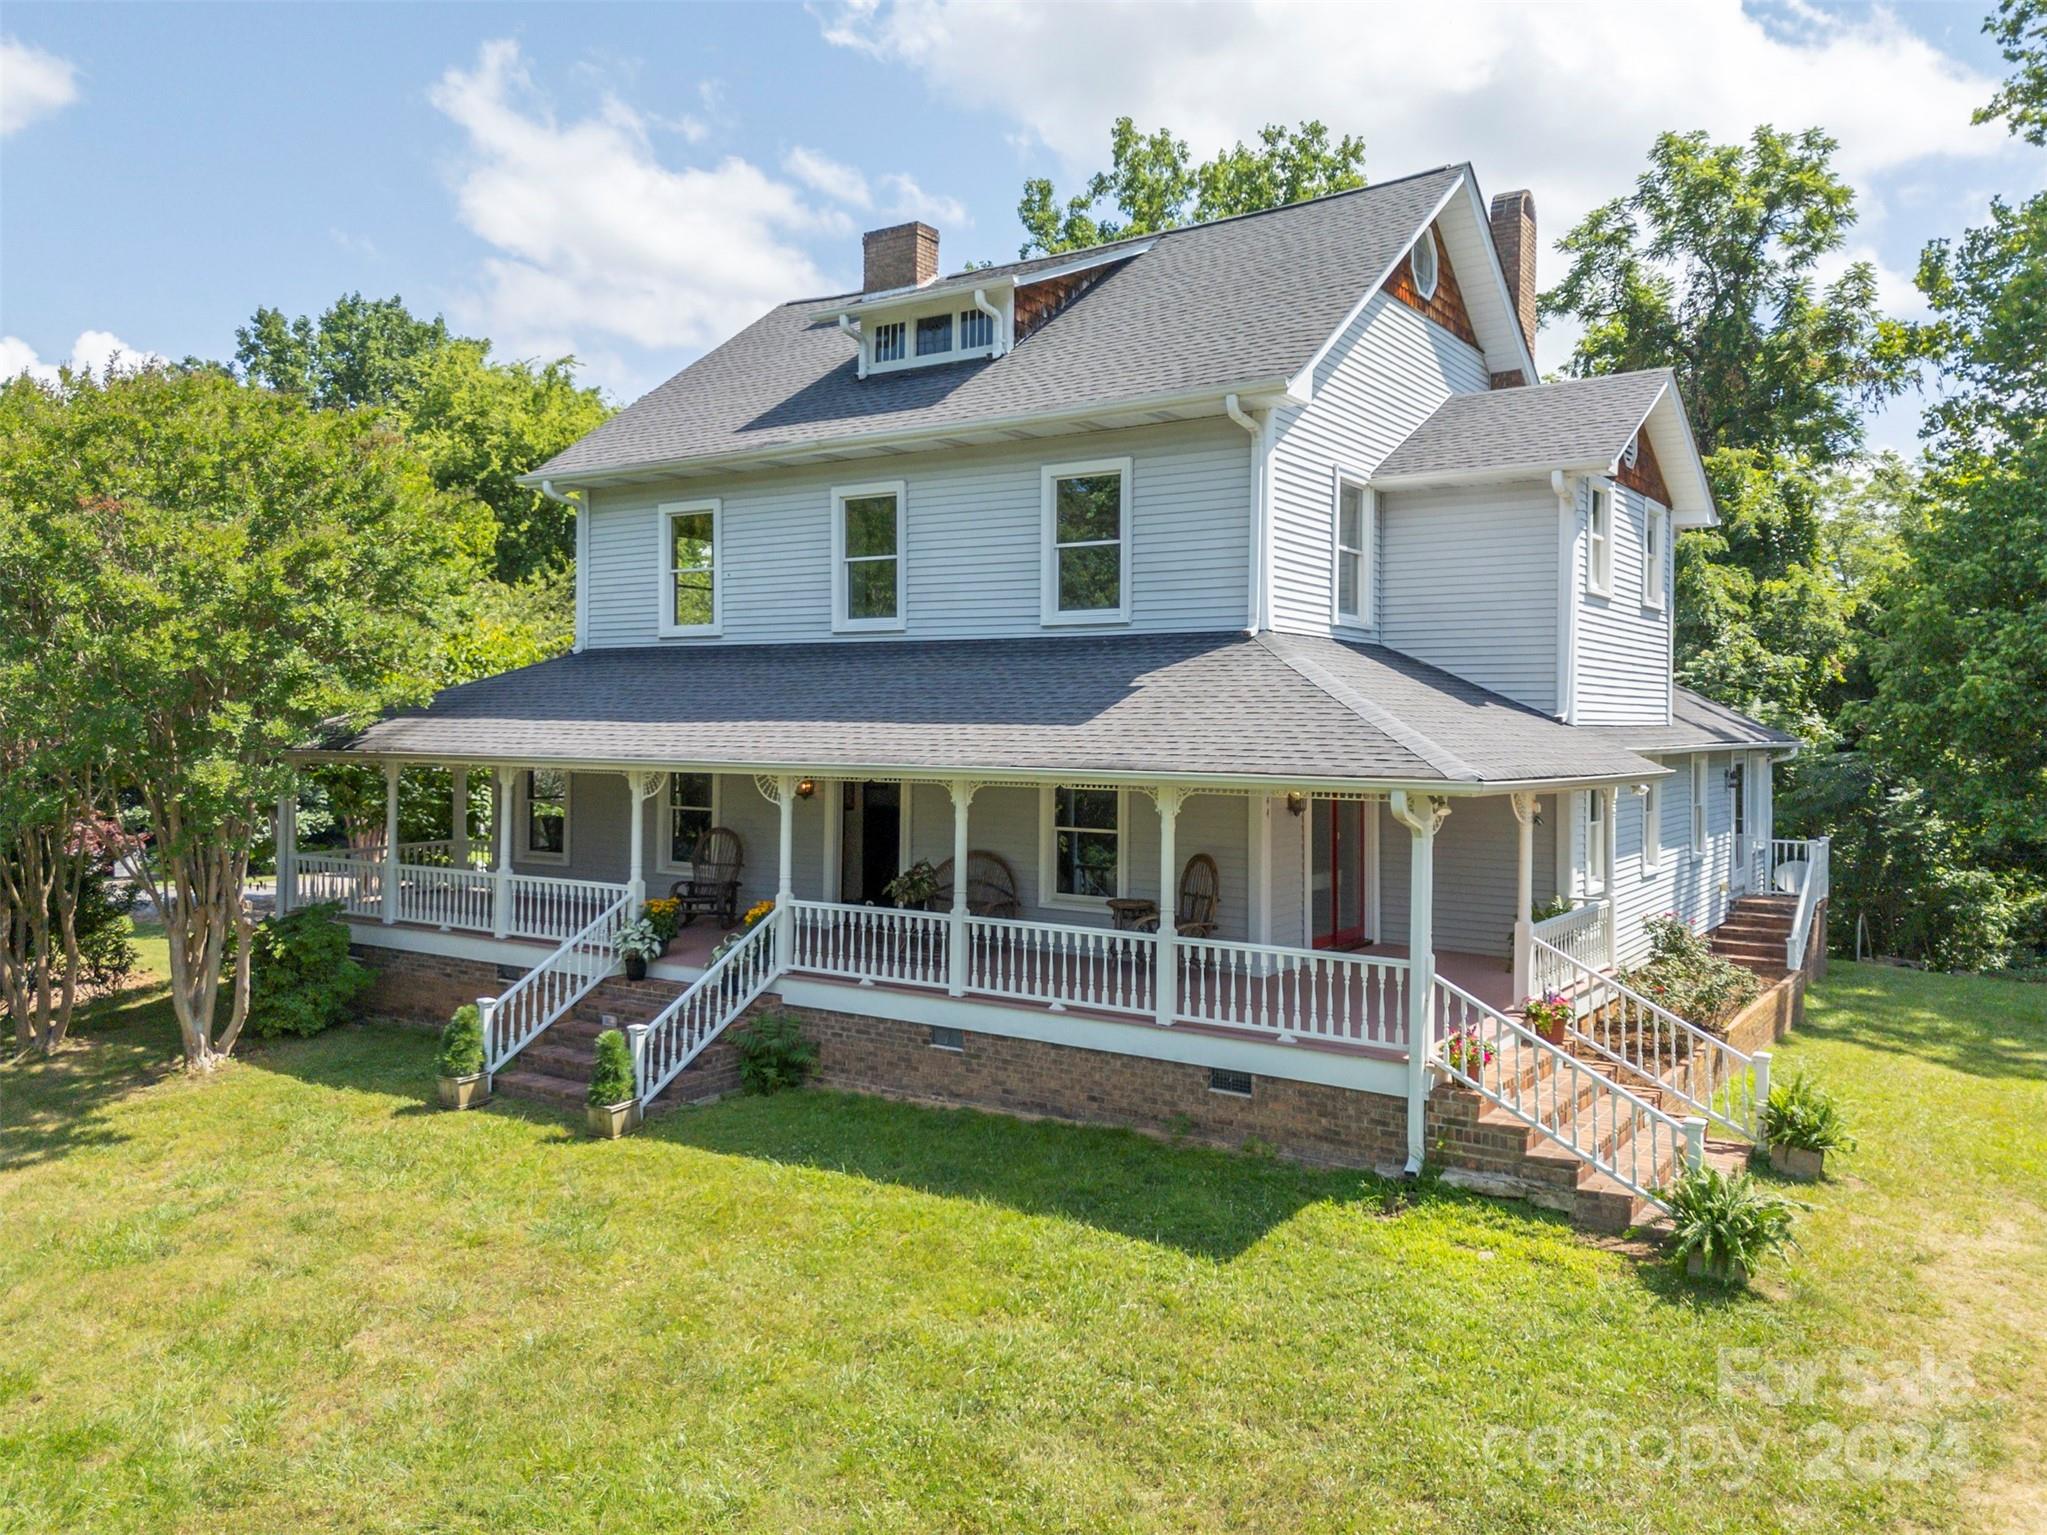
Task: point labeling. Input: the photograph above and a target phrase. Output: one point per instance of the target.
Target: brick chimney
(901, 256)
(1513, 221)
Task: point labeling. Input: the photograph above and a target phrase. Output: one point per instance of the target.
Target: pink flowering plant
(1547, 1014)
(1466, 1052)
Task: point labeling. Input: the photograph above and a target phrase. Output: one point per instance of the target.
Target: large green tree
(1153, 183)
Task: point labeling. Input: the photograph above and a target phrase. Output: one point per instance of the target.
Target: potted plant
(459, 1066)
(1555, 906)
(1802, 1123)
(613, 1105)
(636, 944)
(1549, 1015)
(756, 914)
(664, 916)
(1467, 1053)
(1725, 1226)
(914, 887)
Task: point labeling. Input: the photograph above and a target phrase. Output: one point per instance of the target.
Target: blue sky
(632, 183)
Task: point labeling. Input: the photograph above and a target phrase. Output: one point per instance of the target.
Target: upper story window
(1655, 533)
(934, 335)
(977, 330)
(1086, 575)
(1599, 541)
(1355, 510)
(1081, 853)
(889, 341)
(867, 556)
(692, 811)
(1422, 265)
(547, 815)
(689, 565)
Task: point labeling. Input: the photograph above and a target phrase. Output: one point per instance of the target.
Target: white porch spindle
(501, 806)
(287, 849)
(1166, 962)
(1524, 894)
(458, 829)
(1421, 815)
(956, 971)
(785, 877)
(391, 771)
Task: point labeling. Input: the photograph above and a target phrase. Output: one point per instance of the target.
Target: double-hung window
(692, 810)
(1655, 533)
(1354, 519)
(1599, 541)
(689, 567)
(1652, 824)
(1699, 807)
(547, 815)
(1081, 848)
(867, 556)
(1595, 840)
(1086, 576)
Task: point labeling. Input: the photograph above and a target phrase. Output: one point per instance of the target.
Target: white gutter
(860, 357)
(1001, 328)
(1255, 615)
(1567, 595)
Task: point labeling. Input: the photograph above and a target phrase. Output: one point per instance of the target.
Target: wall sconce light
(1296, 802)
(805, 787)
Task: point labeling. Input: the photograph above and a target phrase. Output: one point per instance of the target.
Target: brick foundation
(423, 988)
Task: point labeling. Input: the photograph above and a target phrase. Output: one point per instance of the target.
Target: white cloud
(98, 352)
(910, 201)
(823, 174)
(33, 84)
(594, 236)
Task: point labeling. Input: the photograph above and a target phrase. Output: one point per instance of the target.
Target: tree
(360, 352)
(1151, 180)
(2020, 27)
(238, 568)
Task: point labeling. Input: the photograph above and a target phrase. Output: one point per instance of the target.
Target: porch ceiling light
(1296, 802)
(805, 787)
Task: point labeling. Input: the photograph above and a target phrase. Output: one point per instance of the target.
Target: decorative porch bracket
(1524, 892)
(1422, 815)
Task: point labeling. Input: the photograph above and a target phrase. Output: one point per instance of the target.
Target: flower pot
(464, 1092)
(1550, 1033)
(610, 1122)
(1794, 1162)
(635, 967)
(1733, 1274)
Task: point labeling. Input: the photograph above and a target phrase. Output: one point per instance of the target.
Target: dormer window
(1422, 265)
(888, 341)
(934, 335)
(976, 330)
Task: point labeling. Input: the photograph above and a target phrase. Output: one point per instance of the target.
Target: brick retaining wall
(423, 988)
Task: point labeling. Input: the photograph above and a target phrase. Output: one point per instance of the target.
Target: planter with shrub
(774, 1053)
(459, 1066)
(613, 1104)
(636, 944)
(1802, 1123)
(1725, 1226)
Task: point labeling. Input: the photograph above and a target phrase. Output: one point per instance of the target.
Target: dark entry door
(1336, 874)
(871, 844)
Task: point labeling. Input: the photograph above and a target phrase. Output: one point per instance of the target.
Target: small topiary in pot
(1801, 1123)
(613, 1104)
(459, 1066)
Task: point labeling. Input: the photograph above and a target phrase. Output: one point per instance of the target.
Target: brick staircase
(555, 1069)
(1755, 932)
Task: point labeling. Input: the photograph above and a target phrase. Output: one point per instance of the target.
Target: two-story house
(1229, 603)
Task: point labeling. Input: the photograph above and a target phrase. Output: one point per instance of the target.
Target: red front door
(1336, 874)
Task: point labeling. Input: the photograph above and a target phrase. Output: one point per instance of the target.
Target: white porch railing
(678, 1034)
(1562, 1098)
(870, 943)
(1663, 1050)
(357, 885)
(1062, 966)
(546, 907)
(1806, 866)
(446, 897)
(552, 987)
(537, 905)
(441, 854)
(1579, 936)
(1293, 993)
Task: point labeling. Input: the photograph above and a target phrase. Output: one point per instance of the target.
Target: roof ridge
(1439, 757)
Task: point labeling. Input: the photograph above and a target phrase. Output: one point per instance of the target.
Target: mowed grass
(296, 1297)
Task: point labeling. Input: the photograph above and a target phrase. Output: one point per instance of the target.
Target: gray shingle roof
(1697, 722)
(1281, 707)
(1211, 306)
(1579, 421)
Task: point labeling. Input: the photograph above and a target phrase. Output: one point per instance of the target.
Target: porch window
(1599, 541)
(689, 562)
(1654, 523)
(867, 551)
(1698, 807)
(692, 811)
(1083, 846)
(1086, 576)
(1354, 518)
(1652, 825)
(547, 815)
(1595, 840)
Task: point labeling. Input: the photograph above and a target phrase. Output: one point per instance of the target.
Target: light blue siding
(1623, 665)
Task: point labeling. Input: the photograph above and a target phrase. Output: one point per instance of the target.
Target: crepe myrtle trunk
(198, 887)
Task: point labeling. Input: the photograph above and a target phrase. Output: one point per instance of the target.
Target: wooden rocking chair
(712, 887)
(1194, 915)
(991, 887)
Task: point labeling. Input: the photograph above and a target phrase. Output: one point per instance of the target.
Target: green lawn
(294, 1297)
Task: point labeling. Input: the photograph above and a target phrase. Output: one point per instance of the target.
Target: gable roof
(1139, 706)
(1579, 425)
(1240, 304)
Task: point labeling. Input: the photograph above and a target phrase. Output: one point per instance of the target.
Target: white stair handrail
(678, 1034)
(1622, 1026)
(1811, 891)
(1560, 1097)
(552, 987)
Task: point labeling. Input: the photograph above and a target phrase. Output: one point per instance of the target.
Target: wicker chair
(1200, 899)
(991, 887)
(712, 888)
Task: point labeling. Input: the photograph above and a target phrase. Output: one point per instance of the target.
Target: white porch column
(1613, 910)
(956, 971)
(1166, 971)
(1421, 815)
(501, 803)
(287, 848)
(1524, 894)
(391, 772)
(1260, 811)
(785, 875)
(458, 816)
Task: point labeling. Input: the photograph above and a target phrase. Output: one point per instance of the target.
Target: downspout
(847, 326)
(1567, 595)
(581, 510)
(1255, 617)
(1001, 330)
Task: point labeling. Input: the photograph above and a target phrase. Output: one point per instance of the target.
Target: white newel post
(1166, 971)
(287, 849)
(785, 877)
(1421, 815)
(391, 772)
(1759, 1067)
(458, 816)
(956, 969)
(501, 805)
(1524, 895)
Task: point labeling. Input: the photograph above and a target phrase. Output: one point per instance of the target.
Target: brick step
(567, 1058)
(1784, 903)
(519, 1081)
(1752, 927)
